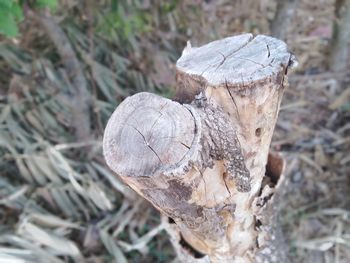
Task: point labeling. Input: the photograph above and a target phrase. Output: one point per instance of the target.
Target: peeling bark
(202, 163)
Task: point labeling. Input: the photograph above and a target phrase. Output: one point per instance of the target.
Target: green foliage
(170, 6)
(10, 14)
(52, 4)
(124, 20)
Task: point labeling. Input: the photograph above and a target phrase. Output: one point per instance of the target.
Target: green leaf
(7, 4)
(52, 4)
(10, 14)
(114, 5)
(17, 12)
(8, 25)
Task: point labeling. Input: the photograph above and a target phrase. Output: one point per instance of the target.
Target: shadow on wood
(201, 160)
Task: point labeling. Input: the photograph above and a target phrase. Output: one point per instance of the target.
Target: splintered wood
(201, 160)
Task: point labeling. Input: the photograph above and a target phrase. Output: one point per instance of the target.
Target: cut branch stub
(203, 163)
(171, 154)
(148, 135)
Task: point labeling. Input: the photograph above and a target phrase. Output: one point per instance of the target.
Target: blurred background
(65, 65)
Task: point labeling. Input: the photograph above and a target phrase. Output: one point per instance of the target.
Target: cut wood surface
(149, 126)
(201, 159)
(241, 60)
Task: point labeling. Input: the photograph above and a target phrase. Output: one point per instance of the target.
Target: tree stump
(201, 160)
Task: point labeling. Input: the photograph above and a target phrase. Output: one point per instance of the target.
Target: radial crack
(268, 50)
(155, 122)
(147, 144)
(205, 185)
(233, 100)
(250, 60)
(188, 147)
(222, 62)
(228, 189)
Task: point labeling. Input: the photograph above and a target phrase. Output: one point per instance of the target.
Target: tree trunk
(339, 57)
(202, 162)
(285, 11)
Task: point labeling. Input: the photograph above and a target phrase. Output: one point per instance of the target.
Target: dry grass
(59, 202)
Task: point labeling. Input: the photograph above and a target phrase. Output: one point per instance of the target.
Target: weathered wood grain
(245, 75)
(147, 135)
(203, 163)
(235, 61)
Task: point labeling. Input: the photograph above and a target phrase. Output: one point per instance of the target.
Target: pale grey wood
(242, 59)
(147, 134)
(166, 151)
(247, 83)
(203, 164)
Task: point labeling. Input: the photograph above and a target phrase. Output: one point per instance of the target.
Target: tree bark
(339, 57)
(202, 162)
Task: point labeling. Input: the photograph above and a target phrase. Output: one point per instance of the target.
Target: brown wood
(203, 163)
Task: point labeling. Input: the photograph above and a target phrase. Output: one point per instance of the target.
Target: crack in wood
(250, 60)
(155, 122)
(227, 56)
(147, 144)
(188, 147)
(204, 183)
(233, 100)
(227, 144)
(222, 62)
(227, 188)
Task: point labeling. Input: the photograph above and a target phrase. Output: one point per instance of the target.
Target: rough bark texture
(272, 246)
(202, 163)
